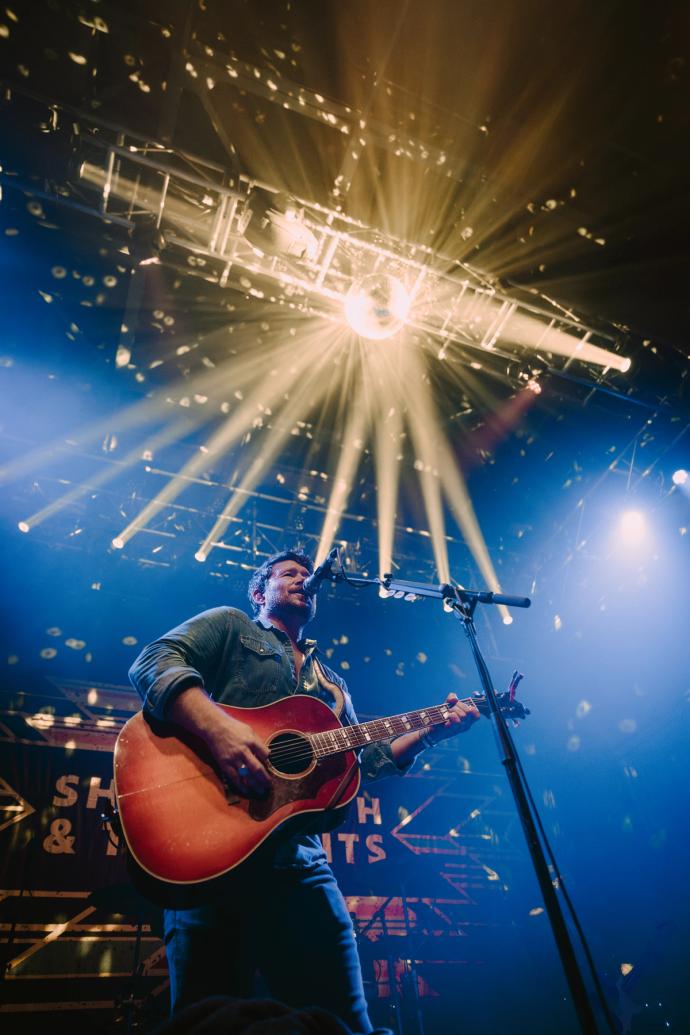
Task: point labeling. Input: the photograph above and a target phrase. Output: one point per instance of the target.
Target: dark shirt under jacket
(247, 664)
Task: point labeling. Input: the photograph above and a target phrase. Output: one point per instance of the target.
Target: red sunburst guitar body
(185, 827)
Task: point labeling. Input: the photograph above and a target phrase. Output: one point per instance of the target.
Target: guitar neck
(351, 738)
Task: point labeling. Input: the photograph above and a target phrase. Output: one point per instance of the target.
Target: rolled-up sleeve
(186, 656)
(376, 761)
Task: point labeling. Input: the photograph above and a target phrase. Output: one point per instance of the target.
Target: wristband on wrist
(426, 741)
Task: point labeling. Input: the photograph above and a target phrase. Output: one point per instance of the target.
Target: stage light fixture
(200, 556)
(680, 476)
(146, 240)
(23, 526)
(275, 225)
(376, 306)
(118, 543)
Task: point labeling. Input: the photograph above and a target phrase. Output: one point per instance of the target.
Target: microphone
(312, 584)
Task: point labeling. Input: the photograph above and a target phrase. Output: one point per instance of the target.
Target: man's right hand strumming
(239, 754)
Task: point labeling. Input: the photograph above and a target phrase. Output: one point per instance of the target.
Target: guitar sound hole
(290, 754)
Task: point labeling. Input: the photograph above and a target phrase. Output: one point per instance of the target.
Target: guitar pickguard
(302, 788)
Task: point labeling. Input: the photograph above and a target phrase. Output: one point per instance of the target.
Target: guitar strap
(337, 703)
(341, 788)
(335, 698)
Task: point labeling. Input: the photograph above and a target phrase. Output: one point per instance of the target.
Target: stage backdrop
(426, 864)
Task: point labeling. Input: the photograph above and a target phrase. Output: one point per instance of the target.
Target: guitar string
(396, 725)
(302, 752)
(384, 726)
(377, 726)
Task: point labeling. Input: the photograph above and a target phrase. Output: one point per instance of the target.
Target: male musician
(282, 913)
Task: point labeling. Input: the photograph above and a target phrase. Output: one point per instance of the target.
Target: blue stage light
(632, 526)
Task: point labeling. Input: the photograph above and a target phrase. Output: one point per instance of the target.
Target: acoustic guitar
(184, 825)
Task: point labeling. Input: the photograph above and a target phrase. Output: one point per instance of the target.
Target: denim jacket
(246, 663)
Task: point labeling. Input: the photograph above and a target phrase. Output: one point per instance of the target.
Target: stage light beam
(308, 392)
(266, 391)
(350, 454)
(388, 432)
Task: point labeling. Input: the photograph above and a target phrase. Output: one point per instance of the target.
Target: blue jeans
(292, 926)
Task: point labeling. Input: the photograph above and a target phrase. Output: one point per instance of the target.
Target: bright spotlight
(23, 526)
(680, 477)
(507, 619)
(376, 306)
(118, 543)
(632, 525)
(200, 556)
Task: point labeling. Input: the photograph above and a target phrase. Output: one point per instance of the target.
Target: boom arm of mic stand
(447, 592)
(490, 598)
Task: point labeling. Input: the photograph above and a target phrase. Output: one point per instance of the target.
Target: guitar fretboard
(350, 738)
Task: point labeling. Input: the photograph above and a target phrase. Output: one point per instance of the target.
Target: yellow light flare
(461, 505)
(169, 434)
(268, 389)
(238, 371)
(393, 371)
(529, 332)
(424, 428)
(388, 428)
(307, 393)
(381, 386)
(346, 469)
(449, 202)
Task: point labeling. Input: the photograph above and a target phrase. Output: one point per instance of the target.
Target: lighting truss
(211, 223)
(210, 216)
(270, 521)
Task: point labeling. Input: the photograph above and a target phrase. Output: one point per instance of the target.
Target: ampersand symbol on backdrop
(59, 841)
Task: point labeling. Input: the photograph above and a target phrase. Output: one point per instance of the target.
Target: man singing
(281, 913)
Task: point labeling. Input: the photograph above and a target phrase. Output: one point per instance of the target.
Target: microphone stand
(463, 603)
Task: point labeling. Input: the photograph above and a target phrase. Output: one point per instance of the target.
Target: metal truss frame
(211, 215)
(211, 222)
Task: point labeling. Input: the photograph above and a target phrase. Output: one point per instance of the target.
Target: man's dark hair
(262, 575)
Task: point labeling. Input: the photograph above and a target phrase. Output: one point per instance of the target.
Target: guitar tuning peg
(514, 683)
